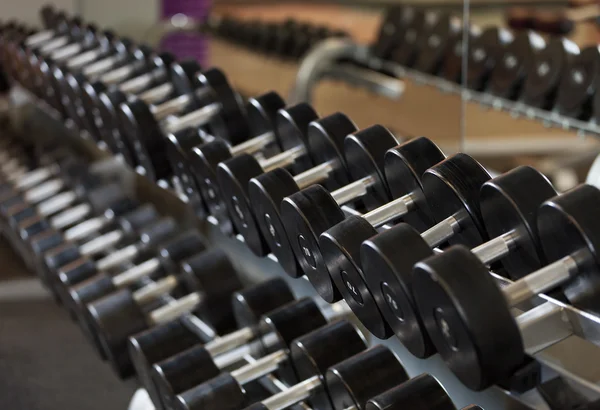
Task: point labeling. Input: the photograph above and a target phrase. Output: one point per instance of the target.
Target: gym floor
(45, 361)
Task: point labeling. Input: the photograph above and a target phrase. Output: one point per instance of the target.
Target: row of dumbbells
(123, 94)
(288, 39)
(292, 204)
(96, 270)
(552, 74)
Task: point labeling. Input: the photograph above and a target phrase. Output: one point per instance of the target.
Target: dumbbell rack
(381, 84)
(566, 344)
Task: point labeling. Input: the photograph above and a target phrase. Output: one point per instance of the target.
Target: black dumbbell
(86, 52)
(459, 324)
(194, 164)
(324, 144)
(332, 384)
(217, 105)
(109, 70)
(50, 198)
(291, 125)
(163, 341)
(449, 191)
(485, 51)
(415, 21)
(262, 116)
(79, 265)
(74, 183)
(162, 260)
(452, 65)
(508, 206)
(274, 331)
(515, 63)
(391, 29)
(92, 200)
(104, 101)
(436, 42)
(210, 280)
(16, 197)
(55, 248)
(578, 85)
(314, 210)
(123, 76)
(226, 391)
(420, 392)
(354, 160)
(549, 66)
(52, 239)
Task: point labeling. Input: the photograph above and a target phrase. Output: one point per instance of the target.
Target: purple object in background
(186, 45)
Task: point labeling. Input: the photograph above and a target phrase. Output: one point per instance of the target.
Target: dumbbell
(91, 200)
(82, 86)
(88, 52)
(219, 108)
(226, 390)
(78, 266)
(549, 66)
(53, 239)
(15, 200)
(453, 58)
(194, 164)
(415, 23)
(205, 284)
(515, 63)
(578, 85)
(263, 117)
(312, 211)
(104, 101)
(324, 144)
(450, 191)
(169, 253)
(389, 33)
(459, 324)
(485, 51)
(434, 44)
(117, 66)
(508, 207)
(163, 341)
(420, 392)
(347, 384)
(361, 153)
(233, 175)
(53, 196)
(275, 330)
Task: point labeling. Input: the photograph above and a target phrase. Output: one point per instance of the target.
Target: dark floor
(45, 361)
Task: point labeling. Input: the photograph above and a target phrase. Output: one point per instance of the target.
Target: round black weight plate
(452, 189)
(549, 65)
(435, 42)
(204, 162)
(467, 318)
(365, 151)
(515, 64)
(509, 203)
(292, 127)
(405, 50)
(230, 123)
(567, 226)
(388, 259)
(404, 167)
(579, 84)
(340, 246)
(484, 53)
(233, 176)
(305, 216)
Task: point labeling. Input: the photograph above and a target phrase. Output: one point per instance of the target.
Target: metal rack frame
(565, 342)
